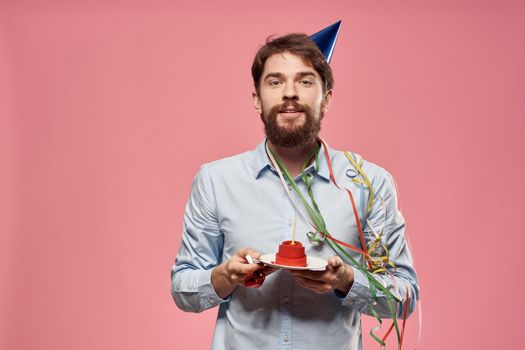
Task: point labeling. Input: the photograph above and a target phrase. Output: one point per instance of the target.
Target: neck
(293, 157)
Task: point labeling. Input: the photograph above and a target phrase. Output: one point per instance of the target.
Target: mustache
(296, 105)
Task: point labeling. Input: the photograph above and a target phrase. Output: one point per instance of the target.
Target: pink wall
(107, 111)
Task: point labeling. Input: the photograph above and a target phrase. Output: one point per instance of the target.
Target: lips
(290, 114)
(291, 108)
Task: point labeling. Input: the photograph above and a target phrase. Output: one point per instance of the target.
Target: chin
(291, 124)
(290, 128)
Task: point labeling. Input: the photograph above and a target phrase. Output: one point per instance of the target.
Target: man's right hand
(226, 277)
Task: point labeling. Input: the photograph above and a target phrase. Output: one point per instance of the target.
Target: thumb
(335, 261)
(241, 253)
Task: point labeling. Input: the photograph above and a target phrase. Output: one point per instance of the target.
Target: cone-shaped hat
(326, 38)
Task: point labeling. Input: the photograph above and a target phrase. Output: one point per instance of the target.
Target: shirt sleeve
(200, 250)
(402, 282)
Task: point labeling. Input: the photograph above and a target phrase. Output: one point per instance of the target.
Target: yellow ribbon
(377, 263)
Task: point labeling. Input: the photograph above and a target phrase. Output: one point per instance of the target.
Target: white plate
(312, 263)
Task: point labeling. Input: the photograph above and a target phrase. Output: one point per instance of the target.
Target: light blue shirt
(239, 202)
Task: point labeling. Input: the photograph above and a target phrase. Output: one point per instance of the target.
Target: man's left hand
(337, 275)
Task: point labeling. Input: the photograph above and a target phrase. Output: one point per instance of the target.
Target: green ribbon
(319, 222)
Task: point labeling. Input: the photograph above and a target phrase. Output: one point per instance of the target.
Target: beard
(291, 136)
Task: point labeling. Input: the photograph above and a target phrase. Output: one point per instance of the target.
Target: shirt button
(285, 339)
(211, 301)
(289, 222)
(286, 300)
(289, 187)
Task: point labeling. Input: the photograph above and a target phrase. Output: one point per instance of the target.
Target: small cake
(291, 253)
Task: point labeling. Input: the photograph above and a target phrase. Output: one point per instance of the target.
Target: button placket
(286, 310)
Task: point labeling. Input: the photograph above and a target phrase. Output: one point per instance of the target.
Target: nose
(289, 92)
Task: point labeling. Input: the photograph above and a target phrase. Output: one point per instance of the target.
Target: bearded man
(241, 205)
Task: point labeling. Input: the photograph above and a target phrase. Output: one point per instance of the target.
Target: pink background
(108, 109)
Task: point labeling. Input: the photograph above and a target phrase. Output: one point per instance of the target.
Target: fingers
(334, 277)
(237, 267)
(313, 275)
(242, 265)
(247, 251)
(243, 268)
(335, 261)
(319, 287)
(255, 254)
(316, 277)
(238, 271)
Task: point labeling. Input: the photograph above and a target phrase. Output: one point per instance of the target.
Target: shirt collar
(262, 162)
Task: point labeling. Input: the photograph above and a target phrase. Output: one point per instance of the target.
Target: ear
(327, 101)
(257, 102)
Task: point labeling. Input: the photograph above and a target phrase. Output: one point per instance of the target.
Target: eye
(274, 82)
(306, 82)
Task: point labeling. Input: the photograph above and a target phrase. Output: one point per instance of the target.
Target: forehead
(288, 64)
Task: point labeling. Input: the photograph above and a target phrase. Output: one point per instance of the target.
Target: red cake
(291, 253)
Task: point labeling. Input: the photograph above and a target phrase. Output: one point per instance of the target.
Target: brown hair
(297, 44)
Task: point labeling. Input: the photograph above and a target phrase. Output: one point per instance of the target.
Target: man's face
(291, 100)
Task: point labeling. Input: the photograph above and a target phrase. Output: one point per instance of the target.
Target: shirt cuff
(359, 294)
(208, 298)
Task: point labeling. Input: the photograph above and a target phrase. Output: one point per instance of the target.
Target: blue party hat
(326, 38)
